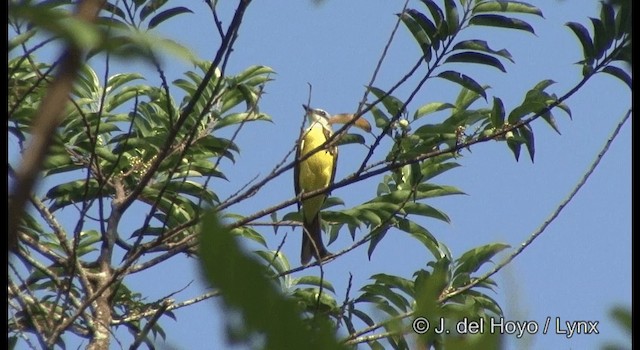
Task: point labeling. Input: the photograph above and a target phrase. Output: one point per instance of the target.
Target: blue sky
(577, 270)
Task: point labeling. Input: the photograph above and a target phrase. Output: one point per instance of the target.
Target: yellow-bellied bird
(313, 173)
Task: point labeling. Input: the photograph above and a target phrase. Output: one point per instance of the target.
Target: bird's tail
(312, 241)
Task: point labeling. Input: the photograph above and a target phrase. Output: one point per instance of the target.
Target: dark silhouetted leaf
(421, 37)
(476, 57)
(620, 74)
(497, 113)
(165, 15)
(151, 7)
(451, 13)
(481, 45)
(464, 81)
(600, 40)
(527, 134)
(499, 21)
(585, 40)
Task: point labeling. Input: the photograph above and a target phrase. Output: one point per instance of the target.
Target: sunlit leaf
(430, 108)
(314, 281)
(392, 104)
(506, 6)
(245, 289)
(473, 259)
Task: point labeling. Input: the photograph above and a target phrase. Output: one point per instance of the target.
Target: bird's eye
(324, 114)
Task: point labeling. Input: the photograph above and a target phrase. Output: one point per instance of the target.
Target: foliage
(126, 146)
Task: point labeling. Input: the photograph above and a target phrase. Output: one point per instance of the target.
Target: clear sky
(577, 270)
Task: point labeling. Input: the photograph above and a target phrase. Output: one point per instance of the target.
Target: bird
(313, 173)
(318, 171)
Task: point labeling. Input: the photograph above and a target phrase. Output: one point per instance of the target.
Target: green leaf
(527, 134)
(381, 119)
(401, 283)
(151, 7)
(474, 258)
(497, 113)
(314, 281)
(620, 74)
(485, 302)
(351, 138)
(429, 28)
(464, 81)
(421, 234)
(514, 146)
(548, 117)
(600, 41)
(430, 108)
(466, 98)
(113, 9)
(453, 20)
(585, 40)
(392, 104)
(278, 262)
(166, 14)
(543, 84)
(623, 318)
(248, 291)
(481, 45)
(623, 20)
(438, 19)
(419, 35)
(476, 57)
(380, 290)
(499, 21)
(20, 39)
(118, 80)
(364, 317)
(429, 287)
(376, 237)
(433, 167)
(87, 241)
(607, 16)
(237, 118)
(506, 6)
(323, 303)
(535, 102)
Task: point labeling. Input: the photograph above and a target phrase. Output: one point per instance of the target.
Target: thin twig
(547, 222)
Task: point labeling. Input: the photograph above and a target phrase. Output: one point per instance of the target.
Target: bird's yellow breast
(315, 171)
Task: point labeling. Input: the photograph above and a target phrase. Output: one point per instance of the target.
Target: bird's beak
(306, 108)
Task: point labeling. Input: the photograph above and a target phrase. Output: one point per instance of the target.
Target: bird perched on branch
(315, 172)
